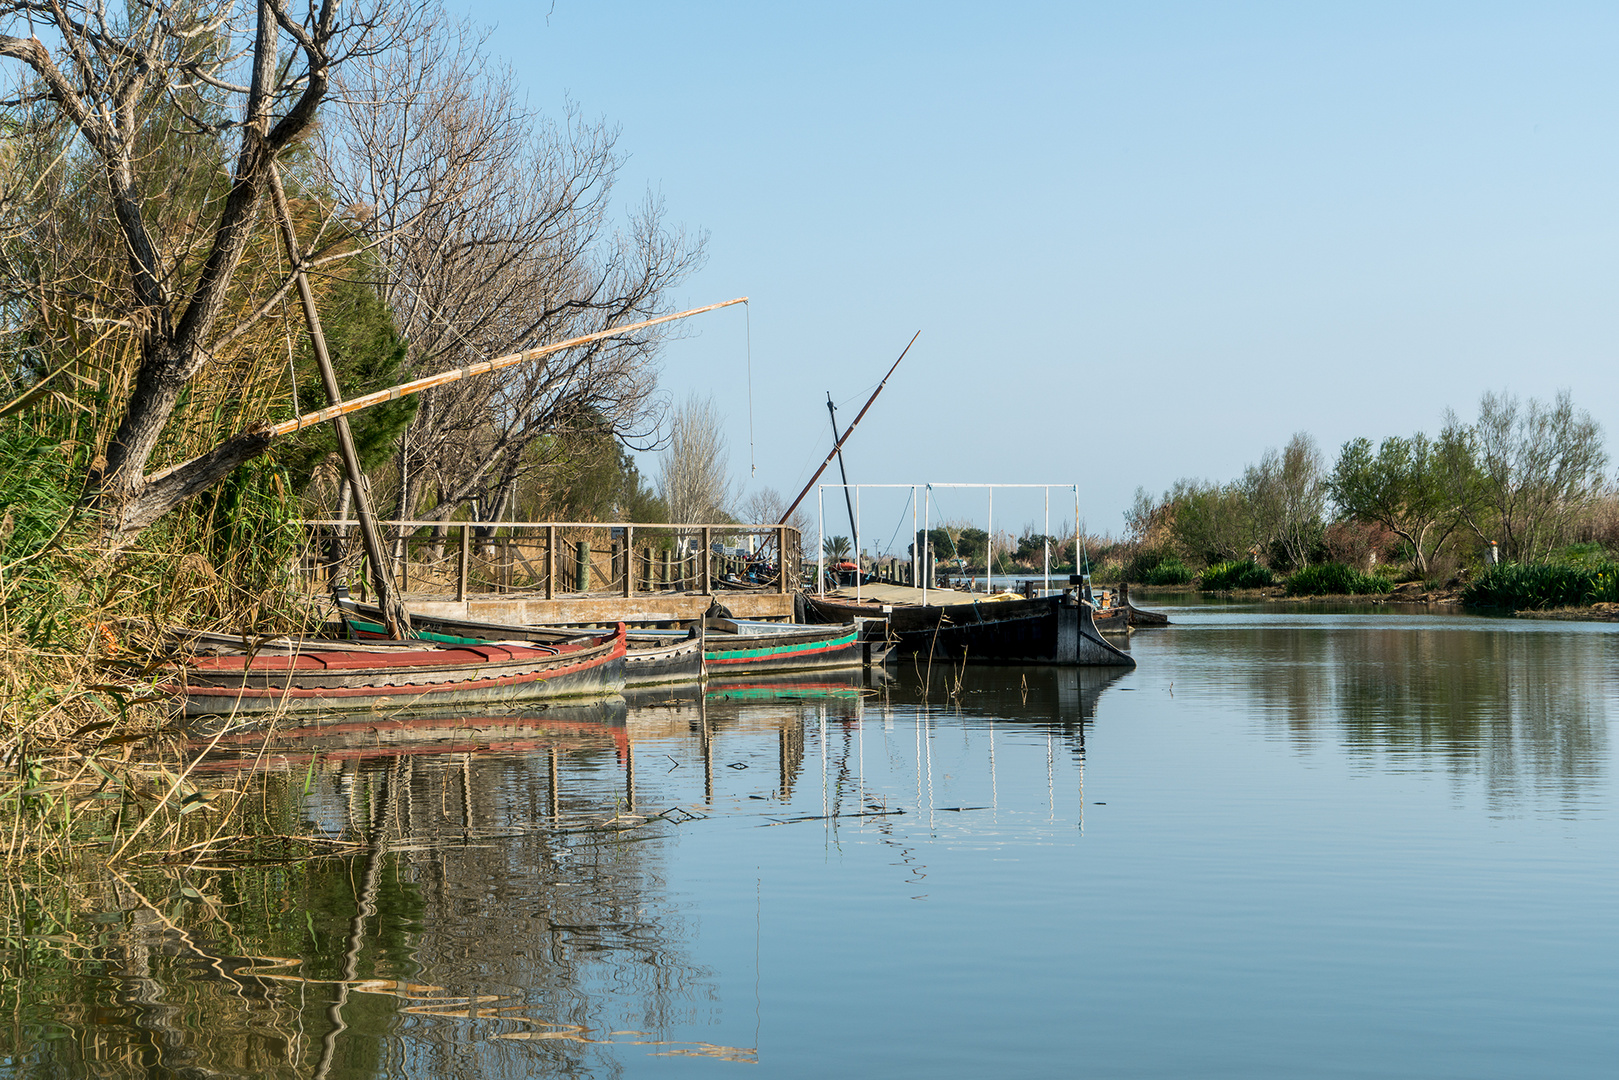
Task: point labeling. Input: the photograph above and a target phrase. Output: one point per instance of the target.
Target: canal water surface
(1296, 844)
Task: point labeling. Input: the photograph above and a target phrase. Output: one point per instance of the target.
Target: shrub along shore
(1568, 589)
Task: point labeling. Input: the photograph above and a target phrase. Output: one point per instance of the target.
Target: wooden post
(466, 558)
(582, 566)
(705, 568)
(781, 559)
(394, 615)
(550, 562)
(629, 561)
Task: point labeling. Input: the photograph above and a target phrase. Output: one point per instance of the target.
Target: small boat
(653, 658)
(741, 647)
(325, 676)
(659, 662)
(1057, 629)
(1139, 619)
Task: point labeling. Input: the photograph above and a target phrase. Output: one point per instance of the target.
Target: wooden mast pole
(847, 432)
(393, 609)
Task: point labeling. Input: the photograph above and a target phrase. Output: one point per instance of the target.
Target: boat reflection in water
(508, 872)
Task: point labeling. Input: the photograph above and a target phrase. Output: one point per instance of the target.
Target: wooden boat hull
(810, 648)
(1048, 630)
(664, 664)
(335, 679)
(1139, 619)
(655, 663)
(1114, 620)
(901, 617)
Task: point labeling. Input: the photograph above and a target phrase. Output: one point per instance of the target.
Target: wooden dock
(554, 572)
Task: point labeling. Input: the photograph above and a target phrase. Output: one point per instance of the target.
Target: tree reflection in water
(499, 901)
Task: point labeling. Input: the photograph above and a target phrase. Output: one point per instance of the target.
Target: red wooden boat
(333, 676)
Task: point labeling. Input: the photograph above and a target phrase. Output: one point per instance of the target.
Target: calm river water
(1291, 843)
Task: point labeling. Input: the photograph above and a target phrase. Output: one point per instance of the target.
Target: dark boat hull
(328, 678)
(1048, 630)
(901, 617)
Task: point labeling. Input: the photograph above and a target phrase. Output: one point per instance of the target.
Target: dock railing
(557, 559)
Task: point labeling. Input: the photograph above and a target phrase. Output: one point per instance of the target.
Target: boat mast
(794, 505)
(394, 614)
(837, 448)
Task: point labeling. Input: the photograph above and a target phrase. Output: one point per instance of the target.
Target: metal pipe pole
(1077, 567)
(1045, 543)
(820, 547)
(927, 541)
(859, 572)
(989, 543)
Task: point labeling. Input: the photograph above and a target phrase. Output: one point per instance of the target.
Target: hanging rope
(753, 465)
(900, 524)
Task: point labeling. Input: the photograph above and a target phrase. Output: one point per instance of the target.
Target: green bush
(1236, 574)
(1150, 564)
(1170, 571)
(1334, 579)
(1510, 586)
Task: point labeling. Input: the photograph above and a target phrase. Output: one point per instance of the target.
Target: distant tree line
(1521, 481)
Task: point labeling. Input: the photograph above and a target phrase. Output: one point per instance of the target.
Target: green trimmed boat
(742, 647)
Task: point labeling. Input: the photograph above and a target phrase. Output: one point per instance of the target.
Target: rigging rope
(901, 523)
(753, 464)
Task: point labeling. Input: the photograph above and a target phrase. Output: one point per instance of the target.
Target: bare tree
(491, 228)
(1283, 498)
(1541, 465)
(691, 469)
(765, 507)
(231, 85)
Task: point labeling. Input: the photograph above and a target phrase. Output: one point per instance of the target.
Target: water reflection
(503, 897)
(1520, 706)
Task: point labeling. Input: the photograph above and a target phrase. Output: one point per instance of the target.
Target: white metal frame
(919, 567)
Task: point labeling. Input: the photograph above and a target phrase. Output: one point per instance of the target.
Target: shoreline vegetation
(1510, 513)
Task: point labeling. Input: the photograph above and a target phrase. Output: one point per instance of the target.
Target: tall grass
(87, 748)
(1334, 579)
(1236, 574)
(1536, 586)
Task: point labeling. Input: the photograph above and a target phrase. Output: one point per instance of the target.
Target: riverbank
(1410, 593)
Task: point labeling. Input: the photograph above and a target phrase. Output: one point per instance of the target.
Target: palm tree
(835, 548)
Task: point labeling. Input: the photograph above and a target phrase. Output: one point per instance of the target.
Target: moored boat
(1140, 619)
(327, 676)
(659, 662)
(652, 659)
(737, 647)
(1047, 630)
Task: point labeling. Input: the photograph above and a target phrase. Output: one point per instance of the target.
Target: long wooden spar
(416, 386)
(190, 477)
(838, 445)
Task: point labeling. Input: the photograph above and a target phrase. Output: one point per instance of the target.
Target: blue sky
(1141, 241)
